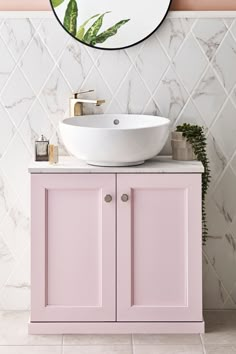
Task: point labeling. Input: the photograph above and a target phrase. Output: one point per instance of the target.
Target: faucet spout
(100, 102)
(76, 104)
(96, 102)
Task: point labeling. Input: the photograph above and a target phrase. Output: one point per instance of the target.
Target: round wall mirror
(110, 24)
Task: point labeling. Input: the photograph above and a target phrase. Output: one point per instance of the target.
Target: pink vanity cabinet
(116, 250)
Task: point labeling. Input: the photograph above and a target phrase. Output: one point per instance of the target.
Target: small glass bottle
(41, 149)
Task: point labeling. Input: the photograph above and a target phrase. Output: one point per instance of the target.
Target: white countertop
(160, 164)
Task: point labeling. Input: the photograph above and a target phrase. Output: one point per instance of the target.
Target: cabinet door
(73, 248)
(159, 248)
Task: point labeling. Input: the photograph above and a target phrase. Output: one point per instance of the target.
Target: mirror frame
(120, 48)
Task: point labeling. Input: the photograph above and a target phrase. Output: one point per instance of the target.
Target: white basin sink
(114, 139)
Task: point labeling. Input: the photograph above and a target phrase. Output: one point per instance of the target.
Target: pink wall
(24, 5)
(177, 5)
(204, 5)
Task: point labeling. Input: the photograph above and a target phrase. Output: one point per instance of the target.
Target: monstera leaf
(102, 37)
(70, 19)
(92, 32)
(56, 3)
(81, 30)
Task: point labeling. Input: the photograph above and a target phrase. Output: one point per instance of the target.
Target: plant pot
(180, 144)
(181, 149)
(177, 136)
(183, 154)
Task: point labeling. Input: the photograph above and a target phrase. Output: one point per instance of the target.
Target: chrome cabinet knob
(108, 198)
(124, 198)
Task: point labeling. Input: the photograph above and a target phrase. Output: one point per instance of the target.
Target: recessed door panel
(159, 247)
(73, 248)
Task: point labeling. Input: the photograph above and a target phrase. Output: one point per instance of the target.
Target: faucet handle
(76, 94)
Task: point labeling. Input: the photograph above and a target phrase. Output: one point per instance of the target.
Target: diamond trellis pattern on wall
(186, 71)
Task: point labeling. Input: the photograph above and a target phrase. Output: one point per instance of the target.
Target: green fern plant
(195, 135)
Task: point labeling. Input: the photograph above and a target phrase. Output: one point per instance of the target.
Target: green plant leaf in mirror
(70, 19)
(102, 37)
(56, 3)
(81, 30)
(92, 32)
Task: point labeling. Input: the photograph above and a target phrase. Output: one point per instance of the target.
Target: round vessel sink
(114, 139)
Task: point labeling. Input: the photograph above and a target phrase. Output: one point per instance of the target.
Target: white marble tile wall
(186, 71)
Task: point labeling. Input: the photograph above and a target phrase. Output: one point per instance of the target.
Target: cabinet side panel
(38, 222)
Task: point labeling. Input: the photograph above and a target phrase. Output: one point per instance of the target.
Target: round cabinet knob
(108, 198)
(124, 198)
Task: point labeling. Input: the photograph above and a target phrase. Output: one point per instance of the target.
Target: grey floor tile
(96, 339)
(98, 349)
(168, 349)
(222, 349)
(166, 339)
(220, 336)
(14, 331)
(30, 350)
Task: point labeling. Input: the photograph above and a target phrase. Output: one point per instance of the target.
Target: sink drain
(116, 121)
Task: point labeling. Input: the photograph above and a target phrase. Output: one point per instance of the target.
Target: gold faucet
(76, 104)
